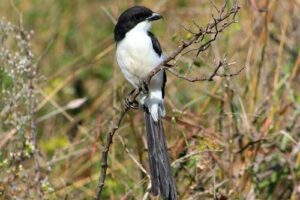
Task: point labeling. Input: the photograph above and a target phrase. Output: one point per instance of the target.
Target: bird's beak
(154, 16)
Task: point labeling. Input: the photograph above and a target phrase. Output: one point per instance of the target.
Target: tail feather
(160, 168)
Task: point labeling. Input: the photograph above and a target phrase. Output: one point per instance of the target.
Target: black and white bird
(138, 52)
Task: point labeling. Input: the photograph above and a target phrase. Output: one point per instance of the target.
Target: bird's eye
(138, 17)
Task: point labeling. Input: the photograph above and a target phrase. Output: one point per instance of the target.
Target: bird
(138, 52)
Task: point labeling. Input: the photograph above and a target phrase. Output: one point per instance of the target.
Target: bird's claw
(131, 104)
(145, 88)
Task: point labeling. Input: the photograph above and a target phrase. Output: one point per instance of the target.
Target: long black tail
(160, 168)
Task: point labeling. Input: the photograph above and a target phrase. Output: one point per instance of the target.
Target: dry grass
(234, 138)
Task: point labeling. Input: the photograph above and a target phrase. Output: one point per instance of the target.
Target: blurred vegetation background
(233, 138)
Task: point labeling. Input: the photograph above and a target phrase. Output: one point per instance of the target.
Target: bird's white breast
(136, 56)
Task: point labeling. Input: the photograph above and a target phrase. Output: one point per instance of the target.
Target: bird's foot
(145, 88)
(129, 103)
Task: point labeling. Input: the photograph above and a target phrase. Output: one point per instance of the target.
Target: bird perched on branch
(138, 53)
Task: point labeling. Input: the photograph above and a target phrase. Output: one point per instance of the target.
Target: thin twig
(250, 144)
(193, 40)
(210, 78)
(191, 154)
(109, 141)
(146, 195)
(139, 165)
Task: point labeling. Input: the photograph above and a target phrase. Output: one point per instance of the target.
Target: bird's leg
(129, 103)
(145, 88)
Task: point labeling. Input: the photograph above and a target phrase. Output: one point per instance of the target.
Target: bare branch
(109, 140)
(200, 35)
(188, 30)
(231, 74)
(210, 78)
(215, 6)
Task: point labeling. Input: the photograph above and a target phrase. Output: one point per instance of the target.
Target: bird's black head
(132, 17)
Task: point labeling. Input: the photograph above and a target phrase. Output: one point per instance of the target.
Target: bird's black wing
(155, 43)
(164, 83)
(157, 49)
